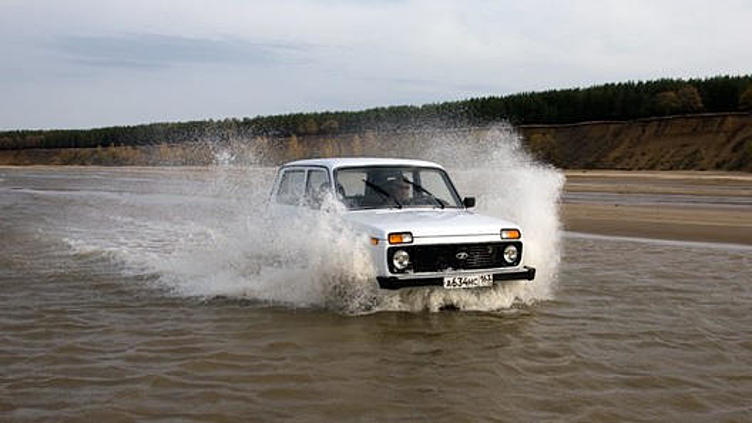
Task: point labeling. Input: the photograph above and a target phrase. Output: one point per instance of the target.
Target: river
(153, 295)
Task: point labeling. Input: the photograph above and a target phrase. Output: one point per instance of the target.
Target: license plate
(468, 281)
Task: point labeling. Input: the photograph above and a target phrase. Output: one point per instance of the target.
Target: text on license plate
(468, 281)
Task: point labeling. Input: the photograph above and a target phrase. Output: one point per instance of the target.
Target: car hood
(427, 222)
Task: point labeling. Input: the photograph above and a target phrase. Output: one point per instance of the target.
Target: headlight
(510, 254)
(510, 234)
(401, 259)
(400, 238)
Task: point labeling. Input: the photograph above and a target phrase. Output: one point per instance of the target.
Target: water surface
(104, 317)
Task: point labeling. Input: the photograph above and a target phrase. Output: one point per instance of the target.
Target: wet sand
(692, 206)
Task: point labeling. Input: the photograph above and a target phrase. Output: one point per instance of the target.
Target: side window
(291, 187)
(317, 187)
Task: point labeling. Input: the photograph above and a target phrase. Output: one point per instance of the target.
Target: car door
(318, 186)
(300, 189)
(289, 192)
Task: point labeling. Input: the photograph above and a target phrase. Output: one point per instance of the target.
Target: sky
(84, 63)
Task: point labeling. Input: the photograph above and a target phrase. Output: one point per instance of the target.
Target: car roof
(337, 162)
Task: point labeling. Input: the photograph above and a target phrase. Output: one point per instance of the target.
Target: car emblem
(462, 255)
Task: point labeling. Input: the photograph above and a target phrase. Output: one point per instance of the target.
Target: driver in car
(399, 189)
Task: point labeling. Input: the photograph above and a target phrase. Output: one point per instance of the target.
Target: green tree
(667, 102)
(690, 99)
(330, 126)
(308, 127)
(745, 100)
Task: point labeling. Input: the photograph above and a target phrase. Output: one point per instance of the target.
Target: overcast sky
(89, 63)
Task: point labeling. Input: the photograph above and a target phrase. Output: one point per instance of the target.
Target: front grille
(441, 257)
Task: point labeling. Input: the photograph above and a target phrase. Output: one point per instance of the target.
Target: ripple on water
(634, 331)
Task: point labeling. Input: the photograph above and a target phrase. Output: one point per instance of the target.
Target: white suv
(419, 230)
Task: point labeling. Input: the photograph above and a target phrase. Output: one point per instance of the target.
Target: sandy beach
(692, 206)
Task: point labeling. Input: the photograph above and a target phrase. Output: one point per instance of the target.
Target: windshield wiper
(425, 191)
(383, 192)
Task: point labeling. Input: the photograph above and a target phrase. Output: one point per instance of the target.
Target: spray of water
(510, 184)
(302, 261)
(227, 244)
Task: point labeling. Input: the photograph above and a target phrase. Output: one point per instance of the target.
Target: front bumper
(392, 282)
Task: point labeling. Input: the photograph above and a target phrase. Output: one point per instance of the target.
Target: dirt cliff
(697, 142)
(691, 142)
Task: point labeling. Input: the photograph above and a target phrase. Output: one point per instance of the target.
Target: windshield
(395, 187)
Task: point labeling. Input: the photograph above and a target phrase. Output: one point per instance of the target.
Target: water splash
(510, 184)
(219, 241)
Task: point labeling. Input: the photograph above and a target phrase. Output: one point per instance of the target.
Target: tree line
(616, 101)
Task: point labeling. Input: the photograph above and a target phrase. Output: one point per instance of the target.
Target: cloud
(150, 51)
(214, 58)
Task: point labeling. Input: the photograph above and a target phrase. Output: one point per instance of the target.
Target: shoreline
(697, 206)
(633, 204)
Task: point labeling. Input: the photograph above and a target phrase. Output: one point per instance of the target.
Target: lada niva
(418, 230)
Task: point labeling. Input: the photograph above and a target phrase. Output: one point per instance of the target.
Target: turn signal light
(510, 234)
(401, 238)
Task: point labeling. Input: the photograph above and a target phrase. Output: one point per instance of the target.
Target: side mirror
(468, 202)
